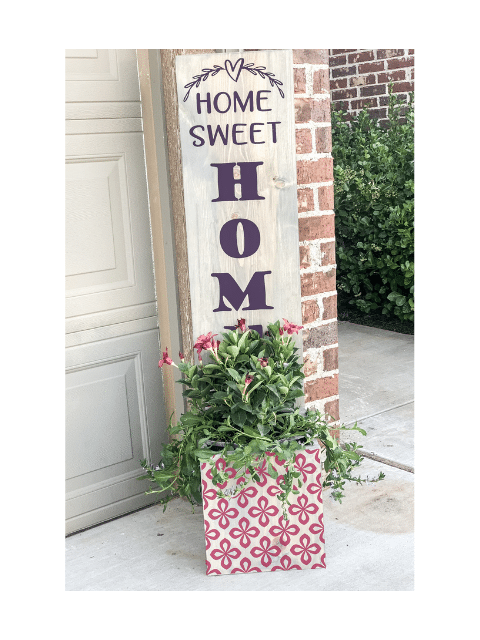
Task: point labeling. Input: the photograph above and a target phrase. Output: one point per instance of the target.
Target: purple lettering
(227, 181)
(230, 290)
(215, 102)
(259, 97)
(236, 99)
(194, 135)
(253, 131)
(218, 131)
(228, 238)
(274, 130)
(207, 101)
(234, 133)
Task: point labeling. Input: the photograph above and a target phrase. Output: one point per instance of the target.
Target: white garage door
(114, 400)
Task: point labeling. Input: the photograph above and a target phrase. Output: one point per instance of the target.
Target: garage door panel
(109, 428)
(108, 254)
(99, 75)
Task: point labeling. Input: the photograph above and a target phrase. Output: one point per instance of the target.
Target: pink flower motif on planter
(244, 532)
(211, 571)
(265, 551)
(226, 553)
(322, 564)
(318, 528)
(245, 494)
(220, 464)
(305, 549)
(223, 513)
(262, 511)
(316, 453)
(302, 508)
(284, 530)
(208, 494)
(316, 487)
(246, 567)
(286, 564)
(274, 488)
(210, 534)
(302, 466)
(262, 474)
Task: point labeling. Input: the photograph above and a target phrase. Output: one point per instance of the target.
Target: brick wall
(316, 229)
(360, 77)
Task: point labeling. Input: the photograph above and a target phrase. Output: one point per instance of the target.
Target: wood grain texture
(176, 184)
(275, 215)
(151, 162)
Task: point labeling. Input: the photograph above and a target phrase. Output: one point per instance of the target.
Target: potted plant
(250, 456)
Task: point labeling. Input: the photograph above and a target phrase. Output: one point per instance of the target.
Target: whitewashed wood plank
(275, 216)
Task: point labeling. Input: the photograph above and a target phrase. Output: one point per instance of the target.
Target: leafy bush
(374, 207)
(242, 405)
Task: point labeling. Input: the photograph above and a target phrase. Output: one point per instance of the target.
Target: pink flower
(223, 513)
(290, 328)
(210, 534)
(226, 553)
(286, 564)
(181, 356)
(241, 325)
(248, 380)
(246, 565)
(262, 511)
(220, 464)
(265, 551)
(302, 466)
(165, 359)
(317, 529)
(302, 508)
(208, 494)
(211, 571)
(305, 549)
(316, 487)
(244, 532)
(322, 564)
(284, 530)
(204, 342)
(245, 493)
(263, 361)
(261, 471)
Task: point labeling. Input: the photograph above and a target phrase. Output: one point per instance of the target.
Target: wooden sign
(236, 116)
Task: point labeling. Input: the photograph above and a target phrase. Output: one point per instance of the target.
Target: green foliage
(242, 405)
(374, 209)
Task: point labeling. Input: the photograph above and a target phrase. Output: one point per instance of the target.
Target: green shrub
(374, 207)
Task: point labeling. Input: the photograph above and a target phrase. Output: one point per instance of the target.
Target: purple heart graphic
(232, 70)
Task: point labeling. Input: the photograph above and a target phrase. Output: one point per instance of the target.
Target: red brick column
(317, 229)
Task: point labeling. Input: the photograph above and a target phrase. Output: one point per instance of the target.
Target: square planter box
(247, 533)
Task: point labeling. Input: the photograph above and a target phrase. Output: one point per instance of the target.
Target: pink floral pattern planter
(247, 533)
